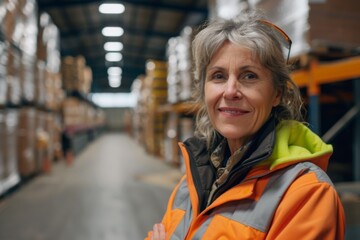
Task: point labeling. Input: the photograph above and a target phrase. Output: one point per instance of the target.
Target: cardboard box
(2, 145)
(10, 175)
(76, 75)
(312, 25)
(26, 141)
(13, 76)
(335, 23)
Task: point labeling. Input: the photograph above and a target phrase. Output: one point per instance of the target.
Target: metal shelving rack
(320, 73)
(76, 137)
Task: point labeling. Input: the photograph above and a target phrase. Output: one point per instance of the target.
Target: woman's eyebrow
(249, 66)
(246, 67)
(214, 68)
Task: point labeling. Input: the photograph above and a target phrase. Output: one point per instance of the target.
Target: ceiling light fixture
(112, 31)
(114, 71)
(111, 8)
(113, 57)
(114, 81)
(113, 46)
(150, 66)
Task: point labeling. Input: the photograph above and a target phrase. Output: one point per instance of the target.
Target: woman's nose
(232, 89)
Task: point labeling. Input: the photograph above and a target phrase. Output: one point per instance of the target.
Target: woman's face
(239, 93)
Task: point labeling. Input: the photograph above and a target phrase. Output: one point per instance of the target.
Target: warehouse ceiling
(147, 24)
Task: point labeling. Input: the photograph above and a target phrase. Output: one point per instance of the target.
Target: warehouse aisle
(113, 190)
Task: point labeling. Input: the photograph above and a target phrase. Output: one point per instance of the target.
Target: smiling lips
(232, 111)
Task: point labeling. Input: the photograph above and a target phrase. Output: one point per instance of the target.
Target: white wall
(115, 118)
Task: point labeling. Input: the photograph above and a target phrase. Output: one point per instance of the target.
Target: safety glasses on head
(281, 35)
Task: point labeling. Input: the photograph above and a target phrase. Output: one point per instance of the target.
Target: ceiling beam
(128, 30)
(101, 84)
(101, 71)
(46, 5)
(96, 60)
(129, 47)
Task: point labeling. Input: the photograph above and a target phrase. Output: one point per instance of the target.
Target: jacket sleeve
(309, 210)
(168, 218)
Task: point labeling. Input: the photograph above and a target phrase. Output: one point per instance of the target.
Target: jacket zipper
(195, 177)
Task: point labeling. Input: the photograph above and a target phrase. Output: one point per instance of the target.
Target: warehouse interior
(90, 122)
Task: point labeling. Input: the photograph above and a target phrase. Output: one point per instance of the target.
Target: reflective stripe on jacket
(256, 214)
(250, 219)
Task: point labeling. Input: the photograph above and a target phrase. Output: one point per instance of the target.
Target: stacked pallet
(78, 113)
(49, 92)
(3, 82)
(153, 93)
(180, 86)
(30, 92)
(76, 75)
(18, 44)
(9, 174)
(82, 120)
(332, 25)
(156, 85)
(18, 35)
(26, 141)
(313, 26)
(136, 126)
(39, 140)
(179, 78)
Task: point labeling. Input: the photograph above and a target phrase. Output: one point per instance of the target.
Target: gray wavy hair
(249, 31)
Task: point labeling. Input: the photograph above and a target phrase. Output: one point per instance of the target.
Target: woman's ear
(277, 98)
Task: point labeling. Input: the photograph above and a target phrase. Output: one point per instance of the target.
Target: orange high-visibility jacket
(285, 196)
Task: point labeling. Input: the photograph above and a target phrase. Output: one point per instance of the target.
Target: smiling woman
(239, 94)
(252, 160)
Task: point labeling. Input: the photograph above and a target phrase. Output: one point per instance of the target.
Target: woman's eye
(217, 76)
(250, 76)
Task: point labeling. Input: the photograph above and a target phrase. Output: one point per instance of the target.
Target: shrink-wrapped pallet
(8, 14)
(48, 43)
(137, 90)
(312, 25)
(77, 76)
(26, 141)
(3, 82)
(72, 111)
(42, 141)
(13, 76)
(19, 27)
(334, 23)
(57, 137)
(179, 78)
(40, 90)
(49, 64)
(171, 138)
(2, 149)
(27, 78)
(54, 93)
(10, 174)
(155, 94)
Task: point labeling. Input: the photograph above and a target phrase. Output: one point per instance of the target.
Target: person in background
(254, 170)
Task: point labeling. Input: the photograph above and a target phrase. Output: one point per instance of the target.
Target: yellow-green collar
(294, 142)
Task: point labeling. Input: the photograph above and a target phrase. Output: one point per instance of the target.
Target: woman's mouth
(232, 111)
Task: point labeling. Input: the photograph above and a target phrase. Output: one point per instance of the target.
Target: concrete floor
(113, 190)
